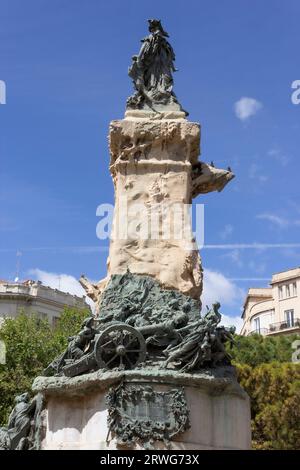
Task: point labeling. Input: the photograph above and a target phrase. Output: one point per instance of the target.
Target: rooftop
(285, 275)
(35, 288)
(261, 292)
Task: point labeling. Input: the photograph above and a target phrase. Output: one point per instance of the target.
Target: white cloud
(216, 287)
(278, 155)
(257, 267)
(274, 219)
(226, 232)
(63, 282)
(235, 257)
(232, 321)
(255, 172)
(246, 107)
(278, 221)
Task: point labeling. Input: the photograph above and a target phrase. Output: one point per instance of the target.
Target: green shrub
(274, 391)
(256, 349)
(31, 344)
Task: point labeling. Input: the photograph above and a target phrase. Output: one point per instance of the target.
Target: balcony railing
(284, 325)
(275, 327)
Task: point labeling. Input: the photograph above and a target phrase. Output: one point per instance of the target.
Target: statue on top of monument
(152, 73)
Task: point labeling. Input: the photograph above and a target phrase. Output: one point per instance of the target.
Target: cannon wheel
(120, 346)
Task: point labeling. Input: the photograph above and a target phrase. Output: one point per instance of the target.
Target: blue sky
(65, 64)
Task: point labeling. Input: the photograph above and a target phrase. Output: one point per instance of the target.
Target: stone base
(151, 115)
(76, 410)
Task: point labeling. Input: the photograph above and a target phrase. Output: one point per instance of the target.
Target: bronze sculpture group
(132, 333)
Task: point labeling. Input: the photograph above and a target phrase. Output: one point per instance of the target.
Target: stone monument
(149, 370)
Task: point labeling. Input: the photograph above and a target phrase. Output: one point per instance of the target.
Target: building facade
(32, 297)
(274, 310)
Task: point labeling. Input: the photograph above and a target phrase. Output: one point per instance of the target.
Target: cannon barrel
(151, 329)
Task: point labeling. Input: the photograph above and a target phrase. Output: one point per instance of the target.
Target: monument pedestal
(82, 412)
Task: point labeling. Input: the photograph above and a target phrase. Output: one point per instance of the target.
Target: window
(54, 321)
(287, 291)
(289, 318)
(294, 288)
(280, 292)
(257, 325)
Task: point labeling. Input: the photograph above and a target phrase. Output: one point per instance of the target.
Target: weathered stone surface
(206, 178)
(156, 174)
(77, 412)
(93, 290)
(145, 140)
(152, 115)
(151, 164)
(217, 381)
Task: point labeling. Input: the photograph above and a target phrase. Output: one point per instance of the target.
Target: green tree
(31, 344)
(274, 390)
(257, 349)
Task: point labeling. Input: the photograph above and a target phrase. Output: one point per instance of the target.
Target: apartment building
(274, 310)
(33, 297)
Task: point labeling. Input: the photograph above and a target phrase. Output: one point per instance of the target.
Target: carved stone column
(151, 165)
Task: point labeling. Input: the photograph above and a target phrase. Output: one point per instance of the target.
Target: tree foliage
(274, 391)
(272, 382)
(257, 349)
(31, 344)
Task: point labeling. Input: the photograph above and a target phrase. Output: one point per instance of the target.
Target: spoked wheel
(120, 346)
